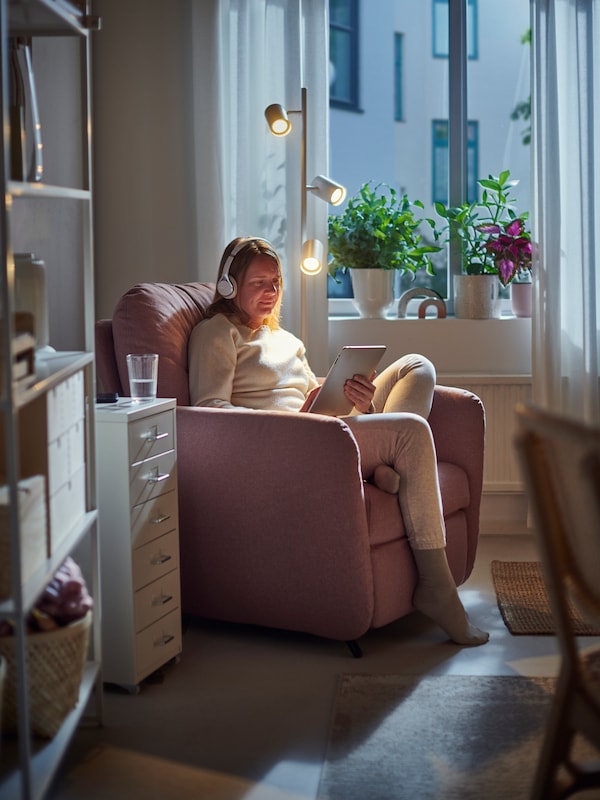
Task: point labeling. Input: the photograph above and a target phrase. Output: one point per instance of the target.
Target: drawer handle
(164, 639)
(157, 477)
(154, 435)
(162, 600)
(161, 558)
(160, 518)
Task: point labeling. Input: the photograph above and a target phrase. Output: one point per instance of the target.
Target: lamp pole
(303, 191)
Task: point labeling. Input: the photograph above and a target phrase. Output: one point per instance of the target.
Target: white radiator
(499, 394)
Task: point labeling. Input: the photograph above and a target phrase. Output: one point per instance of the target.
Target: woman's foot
(436, 597)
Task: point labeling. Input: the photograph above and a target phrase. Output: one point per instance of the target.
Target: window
(403, 80)
(398, 94)
(343, 49)
(440, 160)
(440, 29)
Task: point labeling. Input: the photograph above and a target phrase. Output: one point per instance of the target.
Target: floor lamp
(311, 260)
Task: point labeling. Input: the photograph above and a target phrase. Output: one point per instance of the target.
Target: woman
(240, 357)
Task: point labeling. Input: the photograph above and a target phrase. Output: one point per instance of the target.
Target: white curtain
(566, 205)
(246, 55)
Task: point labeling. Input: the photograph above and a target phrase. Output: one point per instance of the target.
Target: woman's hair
(247, 250)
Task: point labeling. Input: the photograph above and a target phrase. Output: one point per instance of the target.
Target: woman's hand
(360, 390)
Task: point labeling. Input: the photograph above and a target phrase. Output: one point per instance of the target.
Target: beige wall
(143, 162)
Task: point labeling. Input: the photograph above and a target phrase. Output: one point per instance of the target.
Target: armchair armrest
(457, 422)
(274, 502)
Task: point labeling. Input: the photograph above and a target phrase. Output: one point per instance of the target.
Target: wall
(143, 155)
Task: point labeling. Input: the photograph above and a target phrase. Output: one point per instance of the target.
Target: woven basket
(55, 664)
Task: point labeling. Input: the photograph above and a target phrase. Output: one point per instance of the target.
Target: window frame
(352, 30)
(399, 77)
(438, 7)
(472, 161)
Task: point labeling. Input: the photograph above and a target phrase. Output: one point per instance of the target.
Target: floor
(245, 713)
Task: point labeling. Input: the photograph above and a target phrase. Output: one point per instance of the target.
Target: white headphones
(226, 285)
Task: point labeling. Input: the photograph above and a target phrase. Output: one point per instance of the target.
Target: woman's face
(259, 290)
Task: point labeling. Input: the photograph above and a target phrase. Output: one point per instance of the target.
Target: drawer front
(66, 455)
(154, 601)
(157, 644)
(153, 477)
(67, 506)
(65, 405)
(153, 518)
(155, 559)
(151, 436)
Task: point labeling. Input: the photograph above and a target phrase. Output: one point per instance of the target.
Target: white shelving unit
(53, 219)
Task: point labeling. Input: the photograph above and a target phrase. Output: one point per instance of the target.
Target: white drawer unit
(139, 538)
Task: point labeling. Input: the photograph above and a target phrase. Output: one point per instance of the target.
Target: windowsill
(459, 346)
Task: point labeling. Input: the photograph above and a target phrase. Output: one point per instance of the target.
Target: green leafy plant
(493, 237)
(378, 229)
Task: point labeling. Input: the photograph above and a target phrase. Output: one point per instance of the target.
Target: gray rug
(453, 737)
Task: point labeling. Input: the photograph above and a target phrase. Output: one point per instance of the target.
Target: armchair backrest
(153, 318)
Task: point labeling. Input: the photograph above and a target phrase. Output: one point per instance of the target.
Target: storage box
(32, 515)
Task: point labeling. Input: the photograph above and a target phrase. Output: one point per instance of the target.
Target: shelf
(47, 18)
(33, 587)
(47, 190)
(42, 390)
(51, 369)
(46, 756)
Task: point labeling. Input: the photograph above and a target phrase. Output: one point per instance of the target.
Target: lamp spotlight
(312, 257)
(328, 190)
(277, 119)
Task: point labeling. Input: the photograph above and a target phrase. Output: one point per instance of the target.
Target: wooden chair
(560, 459)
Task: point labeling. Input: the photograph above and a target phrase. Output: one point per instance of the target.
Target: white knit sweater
(233, 366)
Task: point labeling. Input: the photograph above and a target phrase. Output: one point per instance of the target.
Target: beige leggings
(399, 436)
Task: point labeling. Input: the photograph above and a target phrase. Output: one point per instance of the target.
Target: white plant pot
(520, 299)
(373, 291)
(477, 297)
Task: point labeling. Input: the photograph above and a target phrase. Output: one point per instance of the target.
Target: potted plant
(377, 234)
(494, 242)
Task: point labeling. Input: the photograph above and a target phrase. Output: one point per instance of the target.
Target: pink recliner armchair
(277, 526)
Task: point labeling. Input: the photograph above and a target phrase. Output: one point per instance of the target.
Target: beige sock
(436, 597)
(386, 479)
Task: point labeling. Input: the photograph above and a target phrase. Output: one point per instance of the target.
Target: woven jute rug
(452, 737)
(524, 603)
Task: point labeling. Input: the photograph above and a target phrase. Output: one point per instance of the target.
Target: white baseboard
(504, 513)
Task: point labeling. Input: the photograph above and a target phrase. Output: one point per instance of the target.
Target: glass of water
(143, 374)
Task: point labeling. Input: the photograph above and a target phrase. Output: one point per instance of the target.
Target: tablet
(351, 360)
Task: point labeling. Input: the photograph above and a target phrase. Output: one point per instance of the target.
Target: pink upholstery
(277, 527)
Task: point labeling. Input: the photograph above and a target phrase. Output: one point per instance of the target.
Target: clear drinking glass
(143, 373)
